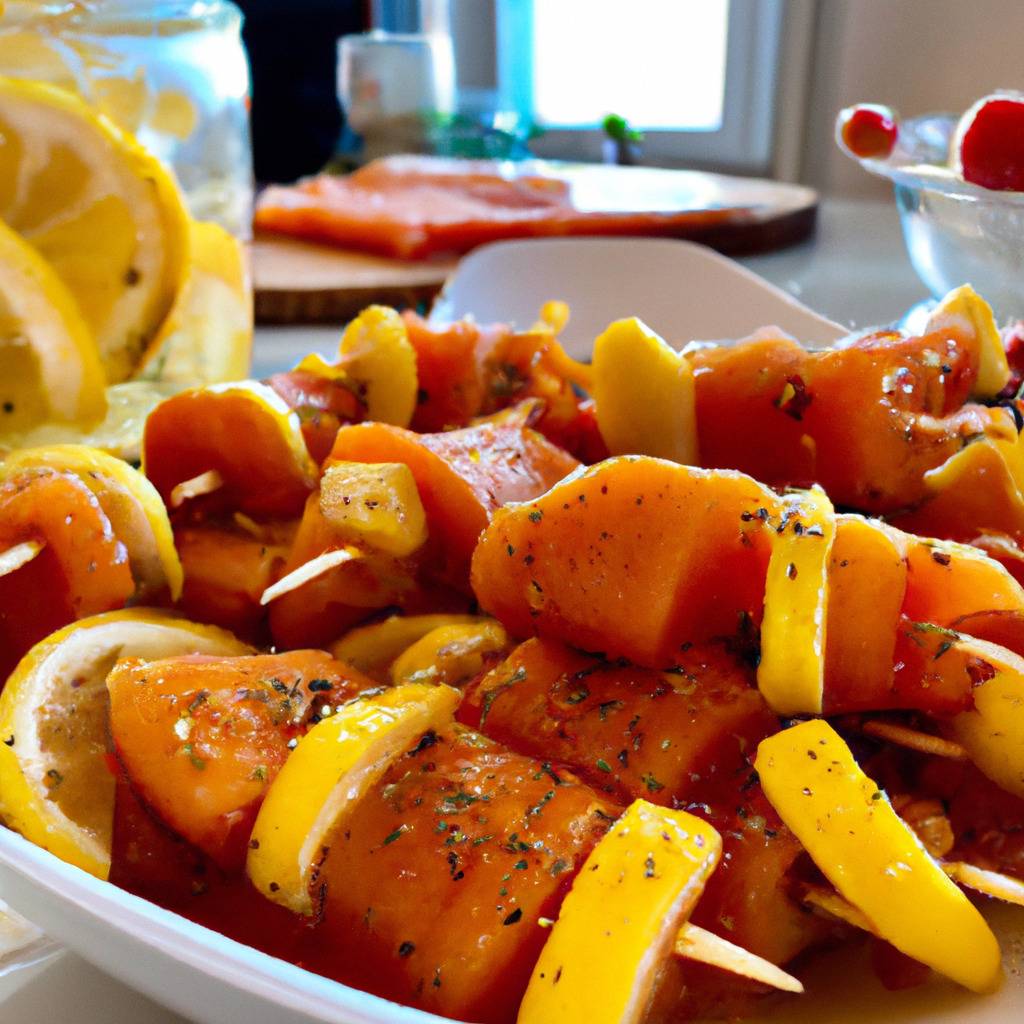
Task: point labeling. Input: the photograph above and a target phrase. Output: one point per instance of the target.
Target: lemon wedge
(645, 395)
(102, 210)
(873, 858)
(131, 503)
(207, 336)
(49, 365)
(334, 764)
(791, 672)
(55, 786)
(621, 918)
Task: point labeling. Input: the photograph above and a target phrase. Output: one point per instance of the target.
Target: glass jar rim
(103, 11)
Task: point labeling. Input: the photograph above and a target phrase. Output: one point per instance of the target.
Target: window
(698, 76)
(661, 65)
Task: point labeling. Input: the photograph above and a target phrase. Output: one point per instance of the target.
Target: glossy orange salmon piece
(243, 439)
(866, 422)
(202, 738)
(411, 207)
(631, 732)
(82, 570)
(462, 476)
(431, 890)
(634, 557)
(227, 569)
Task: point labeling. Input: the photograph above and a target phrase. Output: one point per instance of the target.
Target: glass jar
(172, 72)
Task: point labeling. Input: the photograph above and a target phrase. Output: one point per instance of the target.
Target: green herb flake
(397, 834)
(652, 784)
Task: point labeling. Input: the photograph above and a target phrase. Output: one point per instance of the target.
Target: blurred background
(746, 86)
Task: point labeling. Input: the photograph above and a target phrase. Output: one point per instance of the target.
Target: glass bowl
(955, 232)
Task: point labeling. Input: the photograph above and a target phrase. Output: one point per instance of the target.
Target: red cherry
(868, 130)
(991, 143)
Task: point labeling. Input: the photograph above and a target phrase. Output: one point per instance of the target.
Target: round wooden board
(302, 282)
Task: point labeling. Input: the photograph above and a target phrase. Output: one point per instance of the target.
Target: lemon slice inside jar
(99, 208)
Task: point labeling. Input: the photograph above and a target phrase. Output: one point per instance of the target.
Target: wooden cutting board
(301, 282)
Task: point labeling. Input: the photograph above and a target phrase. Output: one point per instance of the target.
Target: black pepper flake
(515, 917)
(426, 742)
(8, 407)
(9, 742)
(941, 557)
(536, 515)
(406, 949)
(511, 550)
(319, 686)
(649, 866)
(254, 844)
(791, 571)
(274, 887)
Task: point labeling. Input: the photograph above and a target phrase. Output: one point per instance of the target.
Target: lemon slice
(104, 212)
(207, 336)
(964, 308)
(49, 365)
(372, 649)
(131, 503)
(453, 653)
(334, 764)
(55, 786)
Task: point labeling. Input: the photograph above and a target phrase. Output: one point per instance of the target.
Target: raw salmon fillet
(411, 207)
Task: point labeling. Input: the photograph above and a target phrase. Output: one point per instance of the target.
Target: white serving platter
(684, 291)
(214, 980)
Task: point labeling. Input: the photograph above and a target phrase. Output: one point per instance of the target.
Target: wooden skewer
(308, 571)
(695, 943)
(914, 739)
(205, 483)
(835, 906)
(21, 554)
(991, 883)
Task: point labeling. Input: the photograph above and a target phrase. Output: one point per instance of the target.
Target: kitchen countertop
(855, 270)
